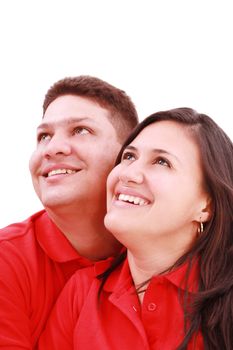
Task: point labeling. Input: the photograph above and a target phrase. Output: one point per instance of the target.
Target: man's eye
(81, 130)
(43, 137)
(128, 156)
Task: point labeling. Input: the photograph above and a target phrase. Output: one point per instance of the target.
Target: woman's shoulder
(86, 277)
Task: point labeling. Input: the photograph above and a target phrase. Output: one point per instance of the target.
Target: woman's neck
(145, 265)
(157, 256)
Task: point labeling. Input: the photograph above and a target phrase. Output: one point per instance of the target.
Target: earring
(200, 228)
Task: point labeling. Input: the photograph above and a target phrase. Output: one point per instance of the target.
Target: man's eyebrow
(71, 120)
(130, 148)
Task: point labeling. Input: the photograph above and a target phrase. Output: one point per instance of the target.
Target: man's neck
(86, 234)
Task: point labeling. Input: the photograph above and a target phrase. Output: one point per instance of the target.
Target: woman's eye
(128, 156)
(162, 161)
(81, 130)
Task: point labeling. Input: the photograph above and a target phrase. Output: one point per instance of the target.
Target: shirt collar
(53, 241)
(120, 279)
(185, 276)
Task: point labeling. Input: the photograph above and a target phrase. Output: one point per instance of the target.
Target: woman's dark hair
(212, 308)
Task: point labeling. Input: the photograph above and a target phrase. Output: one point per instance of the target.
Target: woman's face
(157, 190)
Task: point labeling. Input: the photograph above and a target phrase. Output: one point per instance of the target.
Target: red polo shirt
(36, 260)
(118, 321)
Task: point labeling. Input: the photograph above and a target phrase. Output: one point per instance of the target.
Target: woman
(170, 202)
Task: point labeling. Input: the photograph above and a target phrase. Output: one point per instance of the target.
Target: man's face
(76, 148)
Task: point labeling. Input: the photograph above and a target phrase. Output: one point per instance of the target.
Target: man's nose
(58, 145)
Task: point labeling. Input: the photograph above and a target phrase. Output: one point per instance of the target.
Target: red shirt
(36, 260)
(117, 321)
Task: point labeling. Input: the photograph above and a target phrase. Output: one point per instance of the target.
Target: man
(85, 121)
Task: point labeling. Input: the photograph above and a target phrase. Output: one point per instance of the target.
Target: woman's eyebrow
(163, 151)
(154, 150)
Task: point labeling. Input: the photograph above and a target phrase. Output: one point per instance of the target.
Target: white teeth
(121, 197)
(61, 171)
(69, 171)
(135, 200)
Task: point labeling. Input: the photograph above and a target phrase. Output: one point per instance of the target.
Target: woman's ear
(205, 212)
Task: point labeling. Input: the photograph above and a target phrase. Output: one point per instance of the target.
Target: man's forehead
(66, 121)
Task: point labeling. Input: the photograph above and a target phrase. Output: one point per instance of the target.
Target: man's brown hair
(122, 112)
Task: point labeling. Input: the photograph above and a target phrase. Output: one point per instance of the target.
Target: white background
(164, 54)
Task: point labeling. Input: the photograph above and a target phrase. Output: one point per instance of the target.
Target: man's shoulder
(20, 229)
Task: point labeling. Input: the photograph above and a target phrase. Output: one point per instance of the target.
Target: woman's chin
(111, 222)
(119, 228)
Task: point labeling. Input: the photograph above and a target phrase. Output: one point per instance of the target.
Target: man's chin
(56, 203)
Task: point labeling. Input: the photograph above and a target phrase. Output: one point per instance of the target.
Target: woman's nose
(132, 173)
